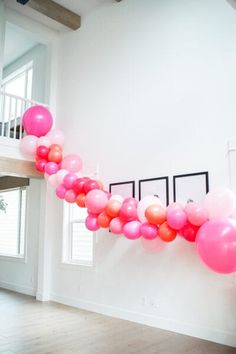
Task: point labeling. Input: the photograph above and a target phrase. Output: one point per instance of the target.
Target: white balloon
(144, 204)
(52, 180)
(220, 202)
(44, 141)
(60, 175)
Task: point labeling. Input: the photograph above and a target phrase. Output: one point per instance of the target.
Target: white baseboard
(18, 288)
(206, 333)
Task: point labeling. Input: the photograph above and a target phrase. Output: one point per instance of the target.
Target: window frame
(19, 257)
(67, 243)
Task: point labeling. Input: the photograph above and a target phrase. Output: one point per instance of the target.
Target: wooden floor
(31, 327)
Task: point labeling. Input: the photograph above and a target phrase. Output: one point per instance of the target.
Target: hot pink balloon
(149, 231)
(56, 136)
(216, 245)
(37, 120)
(61, 191)
(116, 226)
(176, 218)
(131, 201)
(72, 163)
(70, 196)
(189, 232)
(96, 201)
(69, 179)
(51, 168)
(131, 230)
(196, 213)
(91, 223)
(153, 246)
(128, 211)
(28, 145)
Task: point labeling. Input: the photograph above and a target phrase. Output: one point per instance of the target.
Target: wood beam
(22, 168)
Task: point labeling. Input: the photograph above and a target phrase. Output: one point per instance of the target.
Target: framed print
(158, 186)
(190, 187)
(125, 189)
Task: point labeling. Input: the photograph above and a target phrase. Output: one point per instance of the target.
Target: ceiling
(16, 43)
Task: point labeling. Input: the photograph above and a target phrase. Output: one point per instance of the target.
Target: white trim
(18, 288)
(8, 258)
(206, 333)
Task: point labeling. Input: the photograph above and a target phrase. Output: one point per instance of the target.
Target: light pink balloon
(153, 246)
(116, 226)
(149, 231)
(61, 191)
(216, 245)
(72, 163)
(60, 175)
(43, 141)
(37, 120)
(51, 168)
(52, 180)
(28, 145)
(70, 196)
(220, 203)
(131, 230)
(176, 218)
(96, 201)
(91, 223)
(174, 206)
(69, 179)
(56, 136)
(196, 213)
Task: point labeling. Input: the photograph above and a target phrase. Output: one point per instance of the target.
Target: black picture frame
(119, 190)
(164, 195)
(194, 187)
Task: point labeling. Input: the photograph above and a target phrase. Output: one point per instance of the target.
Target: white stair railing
(12, 108)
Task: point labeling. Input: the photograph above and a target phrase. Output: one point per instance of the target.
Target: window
(78, 241)
(12, 222)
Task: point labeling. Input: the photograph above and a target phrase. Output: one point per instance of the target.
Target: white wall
(147, 88)
(15, 274)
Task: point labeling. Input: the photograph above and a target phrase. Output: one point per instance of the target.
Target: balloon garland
(211, 225)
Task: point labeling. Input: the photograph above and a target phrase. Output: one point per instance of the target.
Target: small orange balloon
(55, 147)
(113, 208)
(155, 214)
(55, 156)
(103, 220)
(80, 200)
(166, 233)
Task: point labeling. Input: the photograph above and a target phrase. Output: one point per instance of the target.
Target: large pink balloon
(153, 246)
(131, 230)
(216, 245)
(28, 145)
(72, 163)
(116, 226)
(37, 120)
(96, 201)
(220, 203)
(56, 136)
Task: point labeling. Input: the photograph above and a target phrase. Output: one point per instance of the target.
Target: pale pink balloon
(37, 120)
(96, 201)
(91, 223)
(131, 230)
(196, 213)
(70, 196)
(60, 175)
(116, 226)
(43, 141)
(51, 168)
(52, 180)
(174, 205)
(72, 163)
(153, 246)
(28, 145)
(61, 191)
(216, 245)
(149, 231)
(56, 136)
(220, 203)
(176, 218)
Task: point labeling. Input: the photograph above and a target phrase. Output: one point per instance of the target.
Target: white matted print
(190, 187)
(158, 186)
(125, 189)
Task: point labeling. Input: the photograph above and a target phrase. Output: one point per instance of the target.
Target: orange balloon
(103, 220)
(37, 158)
(155, 214)
(166, 233)
(113, 208)
(55, 147)
(80, 200)
(55, 155)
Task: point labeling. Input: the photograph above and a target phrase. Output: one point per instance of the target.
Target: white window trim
(16, 73)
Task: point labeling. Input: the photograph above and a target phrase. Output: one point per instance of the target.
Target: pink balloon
(176, 218)
(52, 180)
(149, 231)
(28, 145)
(51, 168)
(37, 120)
(43, 141)
(72, 163)
(153, 246)
(131, 230)
(70, 196)
(91, 223)
(96, 201)
(131, 201)
(61, 191)
(116, 226)
(128, 211)
(189, 232)
(216, 245)
(196, 213)
(56, 136)
(60, 175)
(69, 180)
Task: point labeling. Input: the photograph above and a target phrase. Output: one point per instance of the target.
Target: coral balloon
(70, 196)
(68, 180)
(153, 246)
(103, 220)
(72, 163)
(80, 200)
(91, 223)
(56, 136)
(128, 212)
(42, 152)
(61, 191)
(176, 218)
(189, 232)
(113, 208)
(90, 185)
(196, 214)
(144, 204)
(149, 231)
(55, 147)
(131, 230)
(166, 233)
(28, 145)
(216, 245)
(55, 156)
(37, 120)
(40, 165)
(116, 226)
(96, 201)
(220, 203)
(51, 168)
(155, 214)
